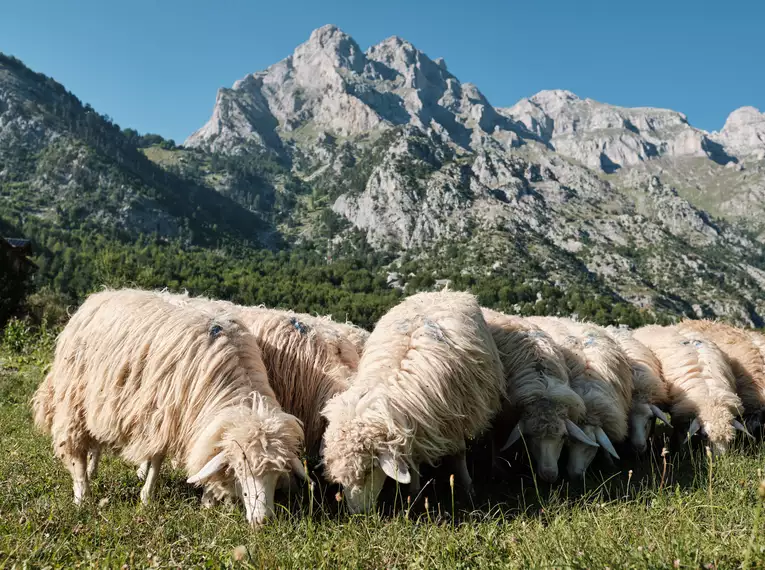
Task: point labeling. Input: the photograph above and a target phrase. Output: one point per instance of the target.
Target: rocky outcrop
(744, 133)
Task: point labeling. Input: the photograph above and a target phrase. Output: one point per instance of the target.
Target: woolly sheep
(755, 423)
(702, 389)
(307, 360)
(540, 401)
(429, 378)
(649, 391)
(745, 359)
(600, 373)
(152, 380)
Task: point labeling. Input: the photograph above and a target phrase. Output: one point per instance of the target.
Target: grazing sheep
(306, 358)
(430, 377)
(702, 389)
(540, 401)
(600, 373)
(649, 391)
(754, 423)
(746, 362)
(151, 380)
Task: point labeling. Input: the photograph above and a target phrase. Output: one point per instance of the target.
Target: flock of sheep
(236, 395)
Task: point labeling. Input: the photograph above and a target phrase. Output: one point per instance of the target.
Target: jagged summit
(329, 84)
(744, 132)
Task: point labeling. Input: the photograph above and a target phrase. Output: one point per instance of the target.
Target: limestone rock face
(394, 144)
(744, 133)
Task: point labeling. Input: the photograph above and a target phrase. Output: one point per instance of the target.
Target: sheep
(600, 373)
(541, 403)
(648, 388)
(429, 378)
(755, 423)
(702, 389)
(151, 380)
(746, 362)
(307, 360)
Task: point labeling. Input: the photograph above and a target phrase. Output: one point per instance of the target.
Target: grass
(695, 518)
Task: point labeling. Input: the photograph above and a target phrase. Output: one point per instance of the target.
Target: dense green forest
(351, 286)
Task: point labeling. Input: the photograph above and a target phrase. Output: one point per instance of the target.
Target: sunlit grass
(698, 518)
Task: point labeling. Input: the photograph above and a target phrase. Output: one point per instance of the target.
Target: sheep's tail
(42, 405)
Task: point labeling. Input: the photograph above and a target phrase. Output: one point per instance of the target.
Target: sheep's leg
(151, 478)
(80, 478)
(463, 476)
(95, 458)
(142, 470)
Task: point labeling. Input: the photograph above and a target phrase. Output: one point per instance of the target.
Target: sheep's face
(361, 493)
(545, 449)
(581, 455)
(641, 421)
(257, 494)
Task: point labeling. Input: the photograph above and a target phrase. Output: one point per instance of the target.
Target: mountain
(384, 159)
(64, 164)
(404, 152)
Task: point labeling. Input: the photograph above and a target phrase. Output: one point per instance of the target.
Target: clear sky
(155, 65)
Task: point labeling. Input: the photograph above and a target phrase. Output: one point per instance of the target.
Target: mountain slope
(398, 147)
(68, 166)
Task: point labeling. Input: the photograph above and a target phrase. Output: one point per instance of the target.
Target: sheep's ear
(396, 469)
(298, 468)
(659, 414)
(515, 435)
(211, 468)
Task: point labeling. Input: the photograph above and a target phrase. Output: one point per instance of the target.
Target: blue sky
(155, 65)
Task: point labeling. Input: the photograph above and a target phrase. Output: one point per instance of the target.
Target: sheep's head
(257, 447)
(359, 450)
(580, 454)
(641, 420)
(544, 427)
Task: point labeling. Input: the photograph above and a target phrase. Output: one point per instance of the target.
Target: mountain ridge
(341, 150)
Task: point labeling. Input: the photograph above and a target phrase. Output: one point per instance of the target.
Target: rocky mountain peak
(331, 44)
(744, 132)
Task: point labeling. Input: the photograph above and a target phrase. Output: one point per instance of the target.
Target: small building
(18, 251)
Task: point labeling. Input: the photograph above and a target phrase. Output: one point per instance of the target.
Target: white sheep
(540, 403)
(430, 377)
(649, 391)
(745, 360)
(600, 373)
(151, 380)
(702, 389)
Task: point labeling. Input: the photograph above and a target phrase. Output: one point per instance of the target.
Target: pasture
(677, 511)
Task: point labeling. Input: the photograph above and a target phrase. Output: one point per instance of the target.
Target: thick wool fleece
(429, 378)
(148, 378)
(700, 382)
(598, 370)
(536, 377)
(744, 356)
(307, 360)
